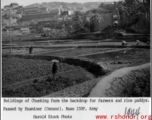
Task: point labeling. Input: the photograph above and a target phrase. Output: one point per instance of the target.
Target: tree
(130, 11)
(147, 8)
(78, 24)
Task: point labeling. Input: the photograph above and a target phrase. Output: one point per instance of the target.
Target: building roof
(18, 27)
(107, 3)
(39, 16)
(34, 7)
(64, 13)
(19, 7)
(7, 6)
(14, 3)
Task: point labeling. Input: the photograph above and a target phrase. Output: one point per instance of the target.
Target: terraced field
(23, 77)
(17, 69)
(78, 51)
(33, 78)
(39, 87)
(123, 55)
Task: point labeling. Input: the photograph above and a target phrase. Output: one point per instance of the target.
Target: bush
(92, 67)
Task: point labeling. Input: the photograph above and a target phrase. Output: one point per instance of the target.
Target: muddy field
(123, 55)
(78, 51)
(25, 51)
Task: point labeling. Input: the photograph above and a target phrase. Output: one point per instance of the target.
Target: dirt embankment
(125, 82)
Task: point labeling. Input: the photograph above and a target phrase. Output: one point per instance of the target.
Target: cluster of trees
(132, 9)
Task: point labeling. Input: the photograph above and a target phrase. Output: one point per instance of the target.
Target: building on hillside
(11, 6)
(63, 15)
(107, 4)
(46, 29)
(10, 13)
(16, 32)
(19, 16)
(8, 22)
(22, 29)
(25, 23)
(70, 12)
(25, 30)
(19, 9)
(116, 17)
(14, 5)
(34, 10)
(44, 22)
(7, 7)
(40, 17)
(69, 18)
(19, 29)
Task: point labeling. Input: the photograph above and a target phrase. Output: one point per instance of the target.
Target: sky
(28, 2)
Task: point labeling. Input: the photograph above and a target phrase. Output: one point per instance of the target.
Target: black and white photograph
(72, 48)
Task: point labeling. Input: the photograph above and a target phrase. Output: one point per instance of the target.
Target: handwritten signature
(130, 111)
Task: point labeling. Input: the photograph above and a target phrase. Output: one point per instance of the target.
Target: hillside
(68, 6)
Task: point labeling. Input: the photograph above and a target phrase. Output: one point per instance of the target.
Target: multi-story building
(116, 17)
(11, 6)
(34, 10)
(46, 29)
(14, 5)
(11, 22)
(39, 17)
(22, 29)
(25, 30)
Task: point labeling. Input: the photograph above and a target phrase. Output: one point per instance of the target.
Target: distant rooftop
(107, 3)
(14, 3)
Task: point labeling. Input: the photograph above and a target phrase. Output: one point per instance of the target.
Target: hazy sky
(27, 2)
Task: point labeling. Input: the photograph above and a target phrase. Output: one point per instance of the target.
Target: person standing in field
(30, 49)
(54, 70)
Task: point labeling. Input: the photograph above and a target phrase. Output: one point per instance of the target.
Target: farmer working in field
(138, 42)
(124, 42)
(54, 70)
(30, 49)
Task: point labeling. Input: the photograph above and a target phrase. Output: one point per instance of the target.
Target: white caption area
(74, 108)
